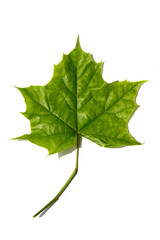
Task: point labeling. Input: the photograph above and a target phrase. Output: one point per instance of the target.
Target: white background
(116, 194)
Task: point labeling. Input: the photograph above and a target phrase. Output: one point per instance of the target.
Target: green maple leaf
(78, 102)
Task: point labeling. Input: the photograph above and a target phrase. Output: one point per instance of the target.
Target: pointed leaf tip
(78, 43)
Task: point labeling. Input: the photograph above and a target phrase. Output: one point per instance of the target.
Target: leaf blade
(78, 100)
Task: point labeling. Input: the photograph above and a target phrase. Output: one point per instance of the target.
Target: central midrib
(76, 99)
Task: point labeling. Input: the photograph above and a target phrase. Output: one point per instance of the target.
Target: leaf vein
(107, 108)
(51, 112)
(52, 134)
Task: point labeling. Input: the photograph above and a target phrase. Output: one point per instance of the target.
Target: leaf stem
(65, 185)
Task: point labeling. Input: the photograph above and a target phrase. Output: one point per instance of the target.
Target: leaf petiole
(65, 185)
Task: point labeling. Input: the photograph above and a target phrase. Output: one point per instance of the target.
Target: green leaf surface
(78, 100)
